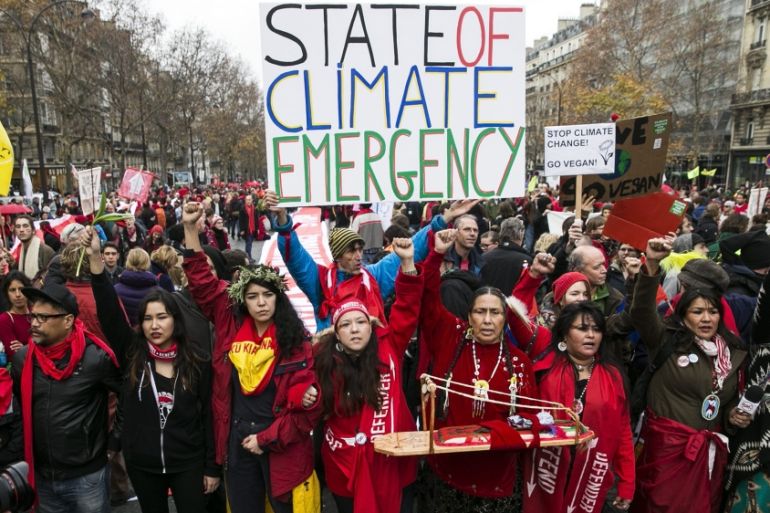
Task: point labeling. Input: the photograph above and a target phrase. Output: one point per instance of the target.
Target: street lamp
(27, 34)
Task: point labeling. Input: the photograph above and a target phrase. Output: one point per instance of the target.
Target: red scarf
(164, 355)
(361, 286)
(250, 215)
(557, 480)
(46, 357)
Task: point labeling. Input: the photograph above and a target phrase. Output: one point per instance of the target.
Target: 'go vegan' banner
(372, 102)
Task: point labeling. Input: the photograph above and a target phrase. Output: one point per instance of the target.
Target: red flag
(136, 184)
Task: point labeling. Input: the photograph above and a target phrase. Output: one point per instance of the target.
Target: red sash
(674, 473)
(374, 481)
(558, 480)
(361, 286)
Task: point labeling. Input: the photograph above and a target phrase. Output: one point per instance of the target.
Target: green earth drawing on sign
(622, 165)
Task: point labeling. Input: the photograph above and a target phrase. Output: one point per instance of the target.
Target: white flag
(26, 180)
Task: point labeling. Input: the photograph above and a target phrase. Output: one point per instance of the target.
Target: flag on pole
(6, 162)
(693, 173)
(26, 179)
(709, 172)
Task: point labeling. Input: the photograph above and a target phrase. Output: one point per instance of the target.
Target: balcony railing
(747, 141)
(757, 44)
(758, 95)
(758, 3)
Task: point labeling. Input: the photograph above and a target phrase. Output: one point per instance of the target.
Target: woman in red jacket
(359, 368)
(14, 325)
(584, 377)
(472, 352)
(263, 366)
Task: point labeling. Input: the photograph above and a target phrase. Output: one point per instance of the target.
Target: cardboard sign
(640, 160)
(635, 221)
(393, 102)
(579, 149)
(89, 187)
(136, 184)
(757, 198)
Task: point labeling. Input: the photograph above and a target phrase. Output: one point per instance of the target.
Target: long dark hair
(350, 381)
(9, 278)
(289, 328)
(676, 321)
(188, 361)
(586, 310)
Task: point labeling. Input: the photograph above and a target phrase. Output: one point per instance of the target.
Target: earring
(338, 347)
(562, 346)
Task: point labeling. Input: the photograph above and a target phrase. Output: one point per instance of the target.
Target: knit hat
(340, 239)
(350, 306)
(215, 218)
(565, 281)
(686, 242)
(704, 274)
(752, 249)
(156, 229)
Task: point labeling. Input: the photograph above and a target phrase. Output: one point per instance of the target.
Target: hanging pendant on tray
(481, 393)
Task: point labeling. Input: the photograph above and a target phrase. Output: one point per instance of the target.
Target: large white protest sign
(377, 102)
(579, 150)
(89, 186)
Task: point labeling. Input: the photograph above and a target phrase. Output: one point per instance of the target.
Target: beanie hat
(340, 239)
(156, 229)
(215, 218)
(686, 242)
(350, 306)
(565, 281)
(752, 249)
(704, 274)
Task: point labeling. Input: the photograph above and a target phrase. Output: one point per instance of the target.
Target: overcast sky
(235, 23)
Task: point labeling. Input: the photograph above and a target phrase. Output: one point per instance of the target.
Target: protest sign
(377, 102)
(640, 160)
(136, 184)
(579, 149)
(556, 220)
(89, 188)
(6, 162)
(313, 237)
(634, 221)
(757, 197)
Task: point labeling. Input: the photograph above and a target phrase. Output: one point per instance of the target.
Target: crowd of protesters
(147, 355)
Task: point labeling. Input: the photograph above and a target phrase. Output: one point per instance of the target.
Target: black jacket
(187, 440)
(503, 265)
(70, 416)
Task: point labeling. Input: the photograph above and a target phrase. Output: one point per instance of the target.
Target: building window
(750, 130)
(760, 30)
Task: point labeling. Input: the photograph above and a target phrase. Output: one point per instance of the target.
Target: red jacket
(373, 480)
(483, 474)
(288, 437)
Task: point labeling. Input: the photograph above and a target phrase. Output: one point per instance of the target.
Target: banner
(579, 149)
(393, 102)
(312, 234)
(641, 145)
(136, 184)
(634, 221)
(757, 197)
(89, 187)
(6, 162)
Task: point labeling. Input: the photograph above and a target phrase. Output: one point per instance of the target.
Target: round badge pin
(693, 358)
(360, 438)
(683, 361)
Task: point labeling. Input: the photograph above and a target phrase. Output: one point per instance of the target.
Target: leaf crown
(260, 273)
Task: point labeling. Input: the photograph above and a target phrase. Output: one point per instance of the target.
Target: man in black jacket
(503, 265)
(63, 378)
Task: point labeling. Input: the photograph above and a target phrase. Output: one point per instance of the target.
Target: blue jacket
(305, 271)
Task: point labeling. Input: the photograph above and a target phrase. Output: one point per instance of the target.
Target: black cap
(752, 249)
(56, 294)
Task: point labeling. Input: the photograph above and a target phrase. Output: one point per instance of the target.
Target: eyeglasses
(43, 318)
